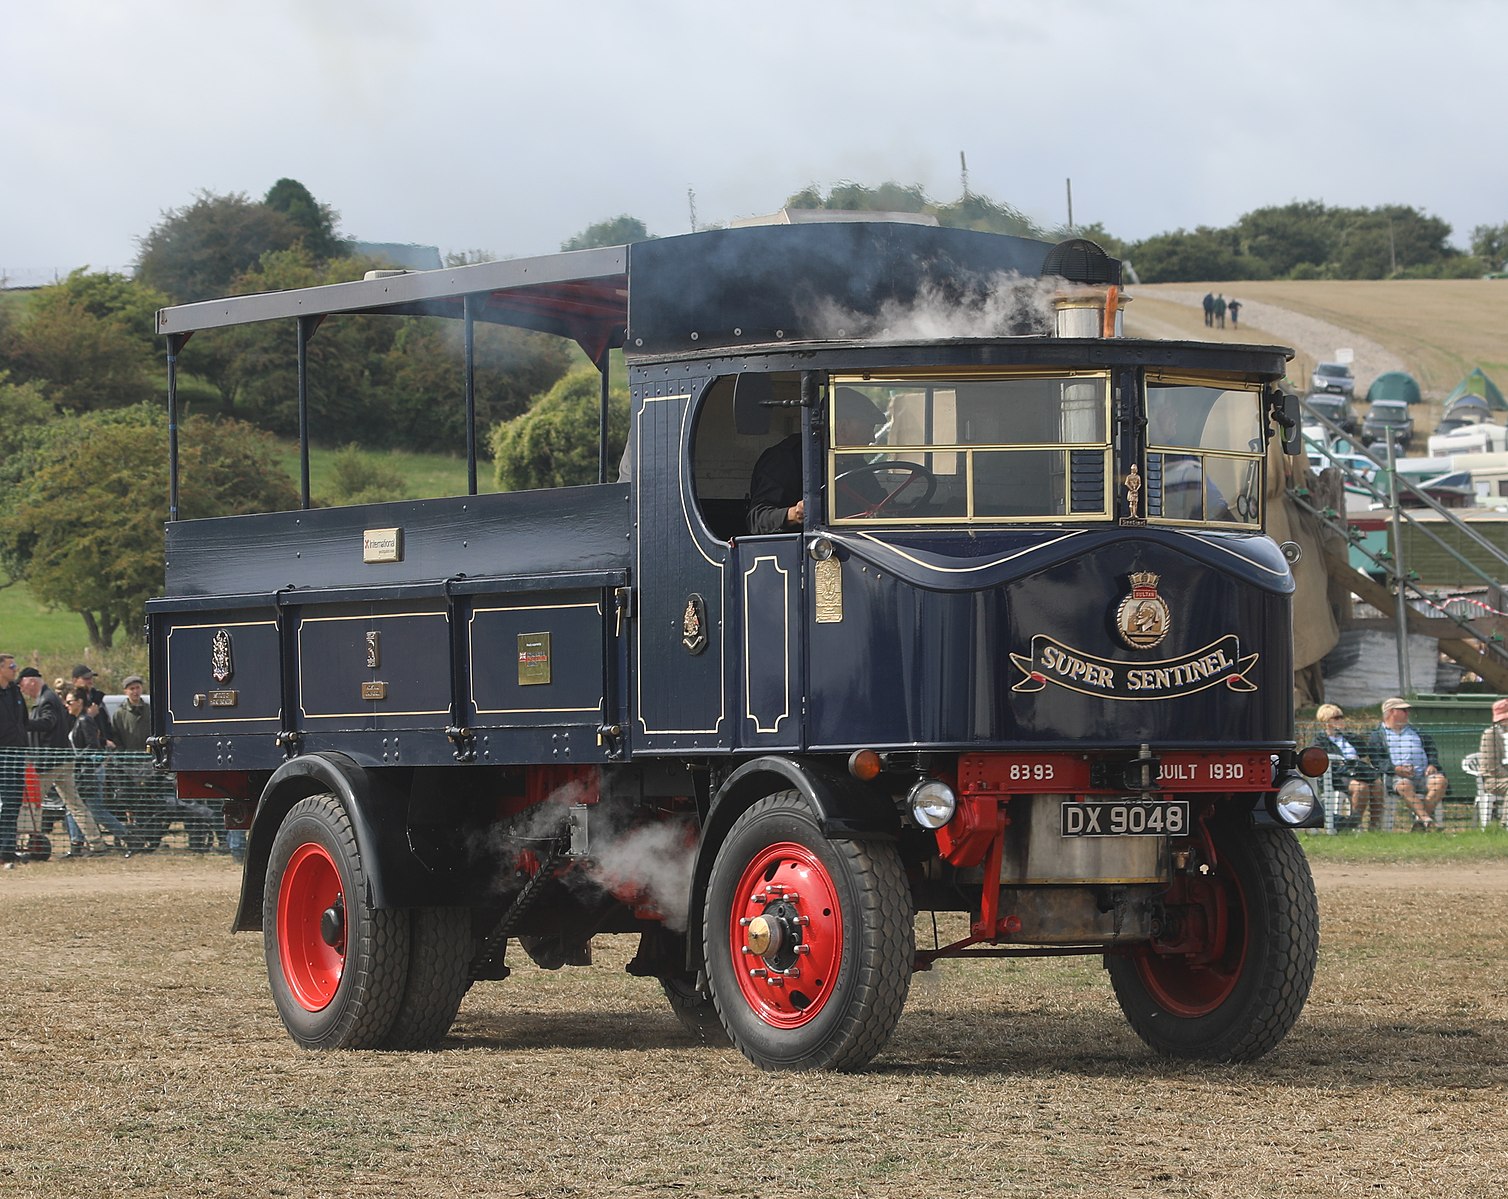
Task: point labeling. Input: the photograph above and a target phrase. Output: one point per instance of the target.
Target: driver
(775, 502)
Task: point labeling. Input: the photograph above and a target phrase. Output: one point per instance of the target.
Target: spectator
(94, 703)
(12, 760)
(47, 729)
(1406, 757)
(1220, 310)
(1492, 752)
(132, 774)
(89, 765)
(1209, 309)
(1234, 308)
(1350, 769)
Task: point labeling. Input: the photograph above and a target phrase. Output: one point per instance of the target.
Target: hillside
(1435, 329)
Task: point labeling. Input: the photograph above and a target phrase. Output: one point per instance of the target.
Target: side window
(738, 418)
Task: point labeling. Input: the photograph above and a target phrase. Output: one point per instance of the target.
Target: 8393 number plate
(1125, 818)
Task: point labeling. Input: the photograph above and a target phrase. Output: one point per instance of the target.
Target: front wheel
(808, 942)
(337, 966)
(1248, 937)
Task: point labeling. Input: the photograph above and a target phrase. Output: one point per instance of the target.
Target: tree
(1204, 254)
(198, 252)
(84, 362)
(554, 444)
(25, 411)
(1491, 242)
(1284, 236)
(316, 221)
(82, 524)
(618, 231)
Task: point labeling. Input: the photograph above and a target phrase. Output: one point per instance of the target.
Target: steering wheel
(914, 471)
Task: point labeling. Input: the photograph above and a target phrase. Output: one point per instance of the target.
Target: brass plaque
(374, 649)
(224, 699)
(374, 691)
(533, 659)
(382, 545)
(829, 579)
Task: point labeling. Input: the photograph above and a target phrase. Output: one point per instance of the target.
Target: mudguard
(377, 816)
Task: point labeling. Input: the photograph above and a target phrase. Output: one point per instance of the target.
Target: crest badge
(694, 624)
(1143, 618)
(221, 664)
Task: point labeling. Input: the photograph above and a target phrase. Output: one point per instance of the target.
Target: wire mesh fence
(63, 803)
(1467, 802)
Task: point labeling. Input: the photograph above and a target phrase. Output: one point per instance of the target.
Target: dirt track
(142, 1056)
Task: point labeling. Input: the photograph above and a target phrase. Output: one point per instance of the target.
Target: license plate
(1125, 818)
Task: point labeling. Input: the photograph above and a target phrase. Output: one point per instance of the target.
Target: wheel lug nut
(757, 973)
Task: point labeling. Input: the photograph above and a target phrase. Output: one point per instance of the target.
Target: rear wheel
(440, 952)
(337, 966)
(1248, 937)
(808, 942)
(694, 1009)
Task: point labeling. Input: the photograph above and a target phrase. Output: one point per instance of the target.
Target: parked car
(1384, 415)
(1334, 408)
(1333, 378)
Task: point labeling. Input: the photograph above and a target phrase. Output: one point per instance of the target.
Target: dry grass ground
(1437, 329)
(142, 1056)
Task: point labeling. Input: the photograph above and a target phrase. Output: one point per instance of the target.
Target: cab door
(681, 682)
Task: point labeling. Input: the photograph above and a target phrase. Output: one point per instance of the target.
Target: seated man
(1350, 770)
(1409, 763)
(775, 499)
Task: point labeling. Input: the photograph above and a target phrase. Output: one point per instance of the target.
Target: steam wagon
(918, 589)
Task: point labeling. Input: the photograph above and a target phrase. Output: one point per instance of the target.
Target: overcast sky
(508, 126)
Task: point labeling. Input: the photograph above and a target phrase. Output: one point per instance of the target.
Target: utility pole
(963, 169)
(1070, 206)
(691, 204)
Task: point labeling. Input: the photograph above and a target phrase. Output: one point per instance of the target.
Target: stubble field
(142, 1056)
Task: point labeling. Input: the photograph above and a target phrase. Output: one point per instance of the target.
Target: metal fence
(1466, 804)
(63, 803)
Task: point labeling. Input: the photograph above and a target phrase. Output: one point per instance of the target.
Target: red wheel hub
(1192, 984)
(785, 934)
(311, 926)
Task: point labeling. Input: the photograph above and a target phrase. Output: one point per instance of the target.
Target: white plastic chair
(1472, 765)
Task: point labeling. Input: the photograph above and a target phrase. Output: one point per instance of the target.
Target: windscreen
(969, 449)
(1204, 453)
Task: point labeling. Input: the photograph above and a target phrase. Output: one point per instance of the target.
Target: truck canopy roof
(753, 286)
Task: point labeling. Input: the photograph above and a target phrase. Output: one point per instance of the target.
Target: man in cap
(1410, 763)
(775, 494)
(94, 702)
(12, 759)
(1492, 752)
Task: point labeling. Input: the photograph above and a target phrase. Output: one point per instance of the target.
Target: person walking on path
(1220, 310)
(1209, 309)
(1234, 308)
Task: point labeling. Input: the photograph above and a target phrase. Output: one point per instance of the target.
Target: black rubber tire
(874, 972)
(365, 1003)
(1278, 941)
(439, 974)
(694, 1009)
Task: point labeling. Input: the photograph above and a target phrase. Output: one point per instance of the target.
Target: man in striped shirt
(1410, 763)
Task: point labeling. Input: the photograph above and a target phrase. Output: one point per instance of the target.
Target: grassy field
(1441, 328)
(425, 475)
(143, 1057)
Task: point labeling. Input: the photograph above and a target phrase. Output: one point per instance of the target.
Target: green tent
(1478, 384)
(1394, 385)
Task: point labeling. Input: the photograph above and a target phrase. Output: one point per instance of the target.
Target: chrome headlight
(932, 803)
(1295, 800)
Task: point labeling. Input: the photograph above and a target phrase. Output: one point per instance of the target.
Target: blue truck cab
(918, 588)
